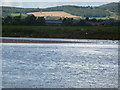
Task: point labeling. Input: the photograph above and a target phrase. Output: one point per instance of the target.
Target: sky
(52, 3)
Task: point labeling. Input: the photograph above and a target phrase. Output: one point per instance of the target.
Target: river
(60, 65)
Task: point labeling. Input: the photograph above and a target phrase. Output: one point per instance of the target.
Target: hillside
(82, 11)
(113, 7)
(14, 10)
(106, 10)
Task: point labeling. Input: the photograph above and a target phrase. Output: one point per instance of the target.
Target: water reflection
(30, 65)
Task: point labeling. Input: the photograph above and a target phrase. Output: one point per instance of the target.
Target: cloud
(60, 0)
(18, 4)
(7, 3)
(12, 0)
(48, 3)
(10, 3)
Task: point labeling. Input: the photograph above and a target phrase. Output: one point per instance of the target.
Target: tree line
(18, 20)
(40, 21)
(32, 20)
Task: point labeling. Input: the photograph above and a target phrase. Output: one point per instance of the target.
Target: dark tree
(67, 21)
(3, 20)
(30, 20)
(87, 18)
(8, 20)
(94, 20)
(40, 21)
(16, 20)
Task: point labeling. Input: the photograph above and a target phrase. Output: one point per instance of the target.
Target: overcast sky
(52, 3)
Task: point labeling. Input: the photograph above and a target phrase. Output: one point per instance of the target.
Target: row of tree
(32, 20)
(72, 22)
(18, 20)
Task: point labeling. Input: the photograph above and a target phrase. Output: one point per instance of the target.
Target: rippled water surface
(59, 65)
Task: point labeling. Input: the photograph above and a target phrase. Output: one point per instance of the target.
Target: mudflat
(35, 41)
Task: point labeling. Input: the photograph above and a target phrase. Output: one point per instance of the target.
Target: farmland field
(53, 13)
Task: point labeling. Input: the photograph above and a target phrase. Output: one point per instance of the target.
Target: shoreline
(5, 37)
(36, 41)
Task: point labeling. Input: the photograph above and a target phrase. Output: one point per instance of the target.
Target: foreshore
(35, 41)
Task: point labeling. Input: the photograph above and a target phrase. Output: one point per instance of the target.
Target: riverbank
(81, 32)
(35, 41)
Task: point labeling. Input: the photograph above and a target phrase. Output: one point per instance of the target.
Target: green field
(81, 32)
(103, 18)
(17, 14)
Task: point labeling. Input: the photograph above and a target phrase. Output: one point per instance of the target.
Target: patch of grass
(103, 18)
(81, 32)
(17, 14)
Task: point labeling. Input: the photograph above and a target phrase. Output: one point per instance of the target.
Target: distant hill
(112, 7)
(10, 10)
(106, 10)
(82, 11)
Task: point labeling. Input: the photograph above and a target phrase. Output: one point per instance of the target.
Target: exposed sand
(35, 41)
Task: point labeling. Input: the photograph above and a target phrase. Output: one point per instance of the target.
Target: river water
(60, 65)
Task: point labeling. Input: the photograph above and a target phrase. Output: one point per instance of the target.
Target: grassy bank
(82, 32)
